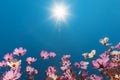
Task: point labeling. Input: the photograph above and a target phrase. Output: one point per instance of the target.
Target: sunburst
(59, 12)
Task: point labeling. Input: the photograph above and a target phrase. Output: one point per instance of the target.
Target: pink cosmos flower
(84, 64)
(77, 65)
(3, 64)
(95, 77)
(66, 63)
(65, 60)
(30, 60)
(100, 63)
(65, 57)
(52, 54)
(12, 74)
(19, 51)
(8, 57)
(29, 69)
(51, 70)
(44, 54)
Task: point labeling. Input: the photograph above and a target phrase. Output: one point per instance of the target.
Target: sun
(59, 12)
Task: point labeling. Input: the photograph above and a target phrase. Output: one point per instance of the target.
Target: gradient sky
(26, 23)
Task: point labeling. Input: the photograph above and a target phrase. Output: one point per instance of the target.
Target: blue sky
(25, 23)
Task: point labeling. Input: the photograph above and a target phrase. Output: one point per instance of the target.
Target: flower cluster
(108, 65)
(46, 55)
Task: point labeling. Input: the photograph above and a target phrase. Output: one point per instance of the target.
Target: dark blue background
(25, 23)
